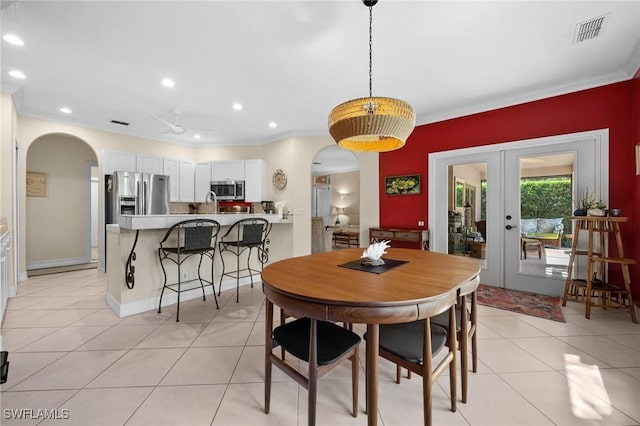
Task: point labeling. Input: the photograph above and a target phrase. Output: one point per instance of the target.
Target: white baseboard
(52, 263)
(170, 298)
(22, 276)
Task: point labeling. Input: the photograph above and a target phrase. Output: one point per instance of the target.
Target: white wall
(8, 126)
(345, 194)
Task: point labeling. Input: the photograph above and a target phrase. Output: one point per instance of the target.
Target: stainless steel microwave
(228, 189)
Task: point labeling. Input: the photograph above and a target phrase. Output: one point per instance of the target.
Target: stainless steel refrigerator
(135, 194)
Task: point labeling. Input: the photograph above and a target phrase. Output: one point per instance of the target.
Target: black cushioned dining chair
(412, 346)
(193, 237)
(466, 325)
(324, 345)
(244, 236)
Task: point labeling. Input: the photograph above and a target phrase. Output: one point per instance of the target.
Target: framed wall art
(36, 184)
(402, 185)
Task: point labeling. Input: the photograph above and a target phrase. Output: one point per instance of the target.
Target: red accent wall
(610, 106)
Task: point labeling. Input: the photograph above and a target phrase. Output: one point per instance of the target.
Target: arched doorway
(61, 203)
(335, 175)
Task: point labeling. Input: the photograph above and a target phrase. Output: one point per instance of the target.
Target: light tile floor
(70, 353)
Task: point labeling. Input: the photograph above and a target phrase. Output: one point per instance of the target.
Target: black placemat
(388, 264)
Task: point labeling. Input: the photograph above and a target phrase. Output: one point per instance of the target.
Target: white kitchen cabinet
(187, 181)
(254, 180)
(227, 170)
(149, 164)
(203, 181)
(171, 168)
(118, 161)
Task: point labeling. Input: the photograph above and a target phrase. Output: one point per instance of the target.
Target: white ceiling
(292, 61)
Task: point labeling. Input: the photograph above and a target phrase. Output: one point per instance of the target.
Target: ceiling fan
(174, 127)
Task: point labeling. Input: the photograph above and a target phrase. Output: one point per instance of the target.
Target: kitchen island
(132, 249)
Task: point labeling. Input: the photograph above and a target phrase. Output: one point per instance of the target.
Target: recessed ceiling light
(17, 74)
(273, 124)
(237, 106)
(13, 39)
(65, 110)
(167, 82)
(197, 136)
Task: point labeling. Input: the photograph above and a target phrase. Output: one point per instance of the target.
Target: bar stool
(244, 236)
(182, 241)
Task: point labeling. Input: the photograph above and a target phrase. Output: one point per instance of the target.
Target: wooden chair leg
(355, 367)
(453, 348)
(474, 336)
(313, 372)
(463, 341)
(283, 319)
(267, 359)
(427, 374)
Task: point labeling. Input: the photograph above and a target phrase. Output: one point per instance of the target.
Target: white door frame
(439, 162)
(93, 191)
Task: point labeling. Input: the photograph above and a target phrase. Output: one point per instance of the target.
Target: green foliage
(541, 197)
(547, 197)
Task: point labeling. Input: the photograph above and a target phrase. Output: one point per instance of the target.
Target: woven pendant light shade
(372, 124)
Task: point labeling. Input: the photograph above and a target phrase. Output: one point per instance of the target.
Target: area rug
(547, 307)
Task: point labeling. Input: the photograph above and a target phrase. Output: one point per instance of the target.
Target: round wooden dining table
(325, 286)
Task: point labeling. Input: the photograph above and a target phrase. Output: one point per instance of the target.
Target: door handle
(510, 227)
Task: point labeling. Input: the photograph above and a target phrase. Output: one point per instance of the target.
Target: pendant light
(374, 123)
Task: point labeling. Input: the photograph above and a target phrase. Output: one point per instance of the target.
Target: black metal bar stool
(244, 236)
(182, 241)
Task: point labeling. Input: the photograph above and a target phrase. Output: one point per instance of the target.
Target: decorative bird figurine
(372, 255)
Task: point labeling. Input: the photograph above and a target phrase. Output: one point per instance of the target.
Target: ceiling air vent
(588, 30)
(122, 123)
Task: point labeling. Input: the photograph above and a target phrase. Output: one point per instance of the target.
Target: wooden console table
(417, 238)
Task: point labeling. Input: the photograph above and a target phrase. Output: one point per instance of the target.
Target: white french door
(503, 266)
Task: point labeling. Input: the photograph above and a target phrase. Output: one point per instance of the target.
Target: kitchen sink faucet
(212, 196)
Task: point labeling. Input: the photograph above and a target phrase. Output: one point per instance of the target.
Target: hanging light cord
(370, 51)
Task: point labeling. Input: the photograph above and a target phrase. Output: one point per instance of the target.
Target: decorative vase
(580, 212)
(595, 212)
